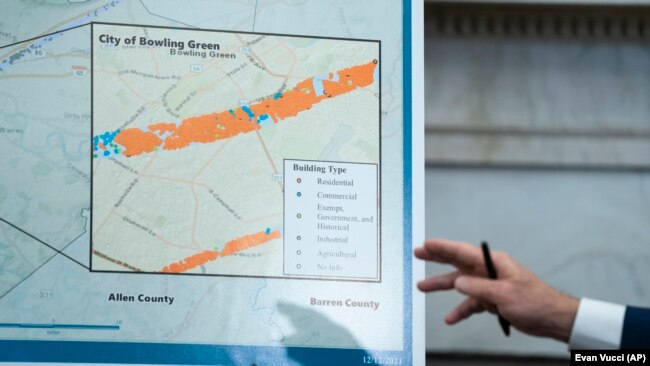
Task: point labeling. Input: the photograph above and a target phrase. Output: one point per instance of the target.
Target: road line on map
(263, 53)
(128, 86)
(189, 316)
(159, 177)
(42, 242)
(266, 217)
(42, 36)
(112, 211)
(101, 226)
(17, 249)
(293, 64)
(155, 61)
(254, 15)
(260, 61)
(231, 79)
(231, 247)
(209, 162)
(268, 156)
(164, 17)
(85, 13)
(40, 266)
(158, 237)
(115, 261)
(195, 217)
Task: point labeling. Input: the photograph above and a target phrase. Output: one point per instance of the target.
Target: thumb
(478, 287)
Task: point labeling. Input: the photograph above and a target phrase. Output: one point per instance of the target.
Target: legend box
(331, 220)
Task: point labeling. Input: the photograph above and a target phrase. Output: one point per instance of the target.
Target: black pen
(492, 274)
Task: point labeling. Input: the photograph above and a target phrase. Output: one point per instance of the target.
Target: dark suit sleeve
(636, 329)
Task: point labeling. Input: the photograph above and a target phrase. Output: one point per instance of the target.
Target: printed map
(190, 129)
(192, 157)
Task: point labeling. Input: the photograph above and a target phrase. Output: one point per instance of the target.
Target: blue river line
(40, 42)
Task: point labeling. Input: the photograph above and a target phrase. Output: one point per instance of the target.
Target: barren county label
(190, 130)
(331, 221)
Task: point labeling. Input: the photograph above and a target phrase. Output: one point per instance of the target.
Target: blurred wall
(538, 141)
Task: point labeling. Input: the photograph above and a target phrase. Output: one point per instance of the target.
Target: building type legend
(331, 220)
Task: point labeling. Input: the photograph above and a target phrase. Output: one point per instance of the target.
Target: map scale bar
(59, 326)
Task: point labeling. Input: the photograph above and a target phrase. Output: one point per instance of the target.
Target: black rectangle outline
(90, 237)
(92, 134)
(239, 32)
(378, 179)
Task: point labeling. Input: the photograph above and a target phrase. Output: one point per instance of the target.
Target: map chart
(190, 129)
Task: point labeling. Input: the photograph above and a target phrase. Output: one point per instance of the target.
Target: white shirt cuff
(598, 325)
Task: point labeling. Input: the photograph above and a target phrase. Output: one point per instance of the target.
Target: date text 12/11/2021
(381, 360)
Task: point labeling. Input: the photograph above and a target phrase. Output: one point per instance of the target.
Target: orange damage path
(222, 125)
(232, 247)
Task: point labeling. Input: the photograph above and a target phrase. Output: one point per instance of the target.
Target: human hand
(531, 305)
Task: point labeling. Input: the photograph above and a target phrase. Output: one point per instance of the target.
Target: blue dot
(116, 151)
(106, 153)
(268, 230)
(299, 194)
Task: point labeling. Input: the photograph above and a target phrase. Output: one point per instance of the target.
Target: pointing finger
(480, 288)
(462, 255)
(464, 310)
(436, 283)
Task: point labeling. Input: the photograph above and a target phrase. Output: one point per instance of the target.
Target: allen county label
(596, 358)
(331, 220)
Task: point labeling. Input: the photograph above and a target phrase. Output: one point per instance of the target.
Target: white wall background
(587, 233)
(575, 209)
(527, 100)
